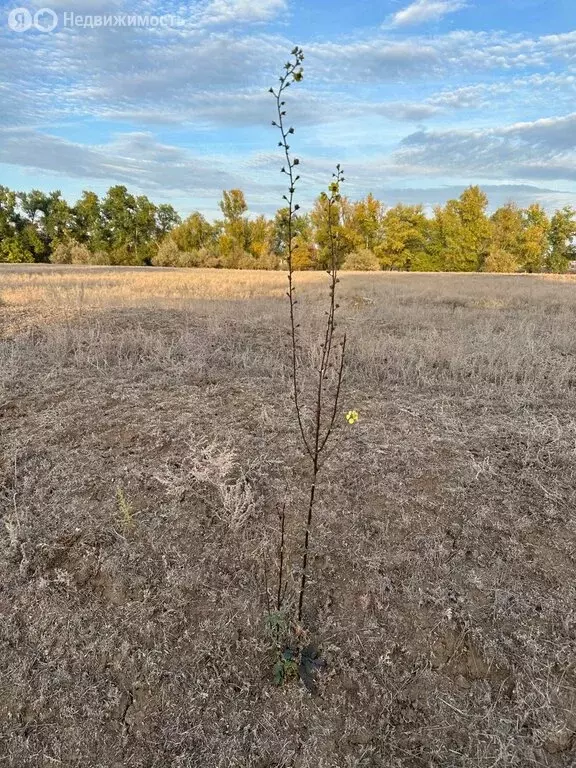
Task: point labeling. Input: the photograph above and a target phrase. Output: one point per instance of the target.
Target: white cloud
(393, 180)
(201, 13)
(135, 159)
(242, 11)
(543, 149)
(537, 89)
(410, 112)
(422, 11)
(384, 59)
(170, 172)
(199, 84)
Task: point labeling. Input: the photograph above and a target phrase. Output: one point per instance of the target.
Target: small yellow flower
(352, 417)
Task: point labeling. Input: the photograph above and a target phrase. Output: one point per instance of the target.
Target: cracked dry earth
(147, 441)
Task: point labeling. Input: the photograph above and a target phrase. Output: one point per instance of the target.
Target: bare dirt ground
(147, 440)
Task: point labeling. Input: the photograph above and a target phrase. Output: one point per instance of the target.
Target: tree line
(123, 229)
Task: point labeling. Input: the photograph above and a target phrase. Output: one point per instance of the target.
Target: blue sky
(416, 100)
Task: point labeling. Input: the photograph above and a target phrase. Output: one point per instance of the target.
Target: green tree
(126, 229)
(466, 231)
(29, 245)
(403, 245)
(33, 238)
(166, 220)
(243, 242)
(259, 243)
(232, 245)
(363, 221)
(301, 231)
(34, 204)
(88, 223)
(56, 223)
(11, 249)
(8, 214)
(128, 224)
(233, 205)
(330, 231)
(534, 238)
(562, 239)
(506, 240)
(145, 230)
(194, 233)
(117, 211)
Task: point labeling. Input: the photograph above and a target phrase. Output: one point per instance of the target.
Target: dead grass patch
(444, 558)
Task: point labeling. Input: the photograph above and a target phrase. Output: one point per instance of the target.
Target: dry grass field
(147, 440)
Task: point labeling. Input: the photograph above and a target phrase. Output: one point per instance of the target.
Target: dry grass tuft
(444, 558)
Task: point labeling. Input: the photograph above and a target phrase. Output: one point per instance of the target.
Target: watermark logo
(20, 20)
(46, 20)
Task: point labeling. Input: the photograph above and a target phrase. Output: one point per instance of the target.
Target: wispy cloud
(181, 112)
(543, 149)
(136, 159)
(242, 11)
(422, 11)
